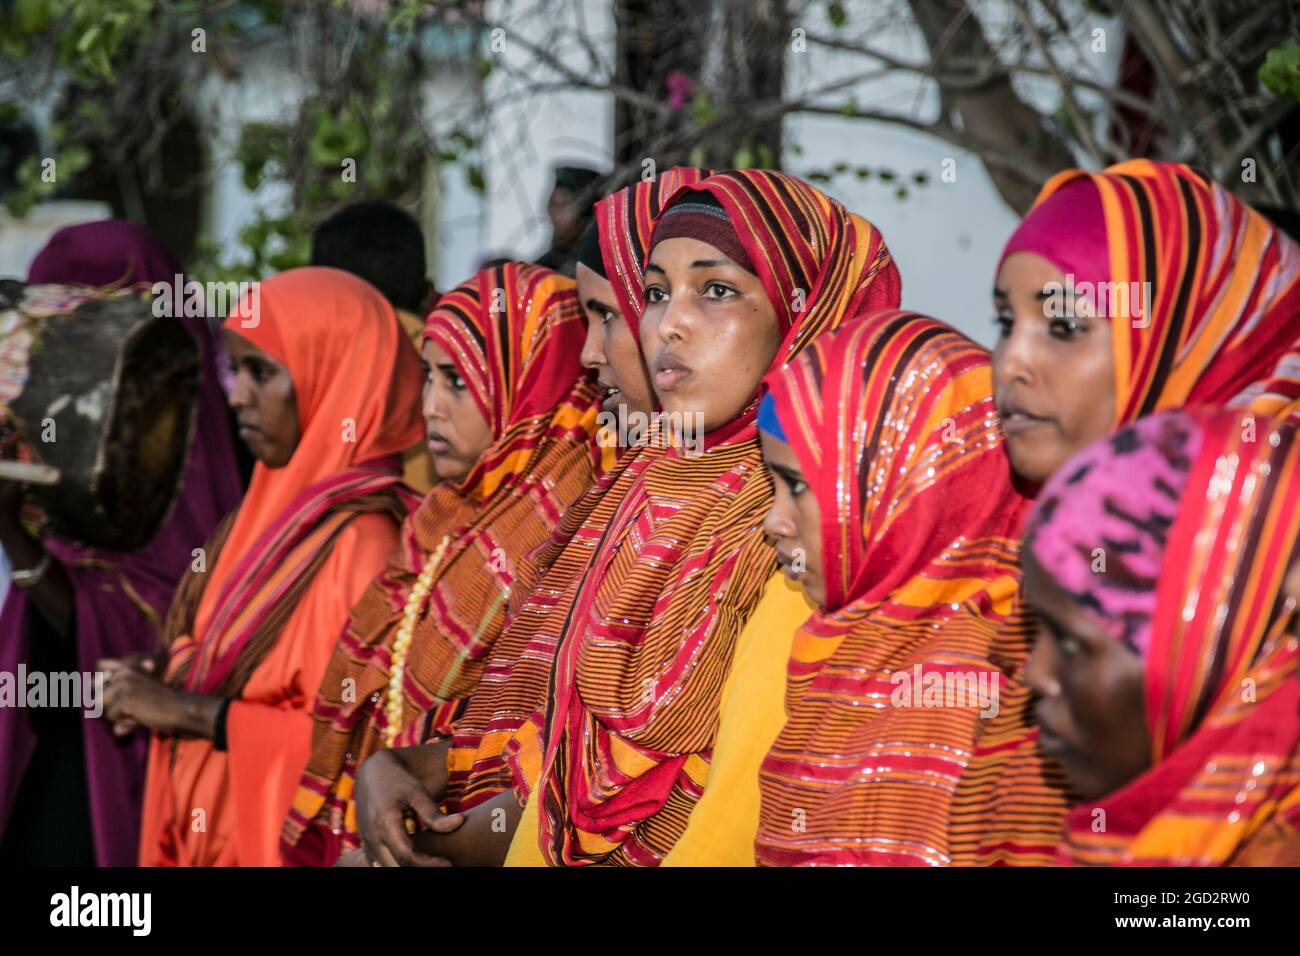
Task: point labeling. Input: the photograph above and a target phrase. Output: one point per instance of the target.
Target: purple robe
(109, 620)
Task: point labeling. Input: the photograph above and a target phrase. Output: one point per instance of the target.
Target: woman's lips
(1048, 742)
(787, 567)
(1017, 422)
(613, 398)
(670, 373)
(247, 432)
(438, 445)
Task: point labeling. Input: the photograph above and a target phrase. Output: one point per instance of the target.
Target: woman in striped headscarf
(469, 769)
(896, 513)
(742, 272)
(744, 269)
(1166, 659)
(1140, 288)
(511, 422)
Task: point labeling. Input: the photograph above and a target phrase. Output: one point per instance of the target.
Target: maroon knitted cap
(699, 215)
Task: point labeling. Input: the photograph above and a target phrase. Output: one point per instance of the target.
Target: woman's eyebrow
(786, 472)
(595, 305)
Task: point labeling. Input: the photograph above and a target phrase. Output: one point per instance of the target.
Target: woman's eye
(606, 317)
(655, 295)
(715, 290)
(1004, 324)
(1064, 328)
(797, 486)
(458, 383)
(1066, 643)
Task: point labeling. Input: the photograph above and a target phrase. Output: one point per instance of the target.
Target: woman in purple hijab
(70, 790)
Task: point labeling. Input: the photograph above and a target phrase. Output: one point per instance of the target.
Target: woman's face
(794, 521)
(610, 349)
(708, 334)
(1091, 689)
(454, 429)
(1054, 375)
(264, 402)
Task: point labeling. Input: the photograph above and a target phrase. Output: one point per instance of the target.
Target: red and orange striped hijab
(1224, 328)
(625, 223)
(680, 564)
(1223, 322)
(1223, 699)
(357, 386)
(893, 423)
(515, 676)
(515, 334)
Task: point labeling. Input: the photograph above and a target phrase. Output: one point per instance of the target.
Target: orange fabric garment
(300, 549)
(245, 792)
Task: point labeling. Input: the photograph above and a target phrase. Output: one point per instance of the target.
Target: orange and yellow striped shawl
(1223, 699)
(1222, 327)
(893, 423)
(515, 333)
(514, 681)
(621, 754)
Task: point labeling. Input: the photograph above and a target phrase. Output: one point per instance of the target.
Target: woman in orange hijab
(327, 396)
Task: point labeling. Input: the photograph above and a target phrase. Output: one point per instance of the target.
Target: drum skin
(110, 400)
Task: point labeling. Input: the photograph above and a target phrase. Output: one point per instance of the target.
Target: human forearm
(427, 763)
(52, 595)
(482, 840)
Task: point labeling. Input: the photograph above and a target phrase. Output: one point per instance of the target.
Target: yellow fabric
(723, 824)
(524, 850)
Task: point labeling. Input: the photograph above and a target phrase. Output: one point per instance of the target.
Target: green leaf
(31, 16)
(474, 176)
(836, 14)
(702, 110)
(1280, 71)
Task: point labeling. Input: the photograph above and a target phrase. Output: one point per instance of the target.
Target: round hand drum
(98, 397)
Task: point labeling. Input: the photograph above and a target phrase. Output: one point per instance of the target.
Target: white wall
(946, 237)
(530, 134)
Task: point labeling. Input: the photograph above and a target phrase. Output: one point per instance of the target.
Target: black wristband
(219, 741)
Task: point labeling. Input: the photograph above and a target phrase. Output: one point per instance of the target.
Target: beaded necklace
(402, 642)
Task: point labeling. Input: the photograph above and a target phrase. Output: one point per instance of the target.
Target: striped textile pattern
(893, 423)
(1222, 327)
(1223, 700)
(262, 589)
(621, 752)
(625, 223)
(515, 334)
(514, 681)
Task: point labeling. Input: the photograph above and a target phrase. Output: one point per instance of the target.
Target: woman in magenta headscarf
(89, 604)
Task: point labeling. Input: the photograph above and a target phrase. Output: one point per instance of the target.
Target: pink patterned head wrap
(1100, 525)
